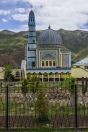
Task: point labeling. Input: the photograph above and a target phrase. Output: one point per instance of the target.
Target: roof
(82, 62)
(49, 36)
(31, 14)
(49, 70)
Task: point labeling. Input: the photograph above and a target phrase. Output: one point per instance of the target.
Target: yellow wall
(79, 72)
(2, 73)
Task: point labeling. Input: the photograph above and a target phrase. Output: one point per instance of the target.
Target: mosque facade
(47, 54)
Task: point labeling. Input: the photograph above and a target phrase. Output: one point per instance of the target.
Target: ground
(43, 130)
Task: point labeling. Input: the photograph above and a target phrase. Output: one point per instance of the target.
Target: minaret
(31, 47)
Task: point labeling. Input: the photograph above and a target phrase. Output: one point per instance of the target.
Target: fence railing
(53, 106)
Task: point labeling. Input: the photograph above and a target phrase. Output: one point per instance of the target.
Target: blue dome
(50, 36)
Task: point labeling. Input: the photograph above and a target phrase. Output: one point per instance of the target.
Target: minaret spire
(31, 48)
(49, 27)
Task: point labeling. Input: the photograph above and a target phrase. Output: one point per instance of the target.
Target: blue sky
(66, 14)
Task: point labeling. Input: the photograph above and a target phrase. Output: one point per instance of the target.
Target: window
(33, 41)
(54, 64)
(42, 63)
(33, 64)
(50, 63)
(77, 66)
(17, 74)
(86, 67)
(46, 63)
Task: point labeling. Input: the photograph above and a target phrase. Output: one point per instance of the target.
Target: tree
(24, 87)
(42, 108)
(33, 83)
(8, 76)
(38, 90)
(69, 84)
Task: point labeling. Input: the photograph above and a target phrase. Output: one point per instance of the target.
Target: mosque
(46, 57)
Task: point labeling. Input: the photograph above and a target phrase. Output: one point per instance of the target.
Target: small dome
(31, 14)
(50, 36)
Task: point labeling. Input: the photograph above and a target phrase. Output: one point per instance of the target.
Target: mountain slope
(12, 45)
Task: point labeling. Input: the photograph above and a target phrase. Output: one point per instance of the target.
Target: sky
(60, 14)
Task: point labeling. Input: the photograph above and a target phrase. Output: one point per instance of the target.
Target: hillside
(12, 45)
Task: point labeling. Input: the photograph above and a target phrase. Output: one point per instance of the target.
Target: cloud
(4, 12)
(4, 20)
(20, 17)
(19, 10)
(67, 14)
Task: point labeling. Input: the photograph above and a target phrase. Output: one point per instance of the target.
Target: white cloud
(67, 14)
(37, 2)
(4, 12)
(20, 17)
(19, 10)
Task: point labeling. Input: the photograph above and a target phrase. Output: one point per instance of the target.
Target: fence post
(76, 114)
(7, 101)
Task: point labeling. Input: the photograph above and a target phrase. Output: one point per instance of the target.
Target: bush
(33, 83)
(68, 84)
(42, 109)
(24, 87)
(8, 76)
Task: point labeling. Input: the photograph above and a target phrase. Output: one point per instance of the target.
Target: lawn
(44, 130)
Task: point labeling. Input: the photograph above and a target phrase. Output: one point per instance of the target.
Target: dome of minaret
(31, 14)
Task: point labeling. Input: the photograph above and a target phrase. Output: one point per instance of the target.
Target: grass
(42, 130)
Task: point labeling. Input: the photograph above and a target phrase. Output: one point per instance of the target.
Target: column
(70, 59)
(61, 60)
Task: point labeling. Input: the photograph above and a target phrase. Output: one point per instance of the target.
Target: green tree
(8, 76)
(42, 107)
(24, 87)
(33, 83)
(41, 104)
(69, 84)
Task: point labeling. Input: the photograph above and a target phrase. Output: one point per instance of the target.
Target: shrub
(8, 76)
(42, 108)
(69, 84)
(33, 83)
(24, 87)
